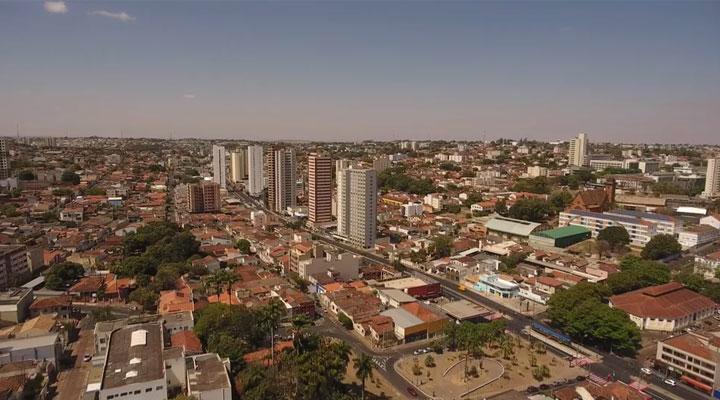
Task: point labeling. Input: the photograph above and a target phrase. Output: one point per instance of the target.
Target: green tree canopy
(615, 236)
(63, 274)
(70, 177)
(661, 246)
(530, 210)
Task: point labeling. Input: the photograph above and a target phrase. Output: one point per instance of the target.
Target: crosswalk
(381, 362)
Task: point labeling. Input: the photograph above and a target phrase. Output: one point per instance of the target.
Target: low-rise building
(693, 356)
(560, 237)
(511, 227)
(134, 367)
(697, 235)
(639, 229)
(15, 304)
(669, 308)
(707, 265)
(208, 377)
(13, 265)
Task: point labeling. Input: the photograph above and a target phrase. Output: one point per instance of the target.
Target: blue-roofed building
(665, 224)
(640, 230)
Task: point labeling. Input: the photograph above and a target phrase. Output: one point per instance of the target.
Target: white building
(412, 209)
(712, 178)
(434, 200)
(357, 205)
(536, 171)
(345, 265)
(640, 231)
(134, 367)
(238, 165)
(219, 166)
(697, 235)
(578, 150)
(255, 170)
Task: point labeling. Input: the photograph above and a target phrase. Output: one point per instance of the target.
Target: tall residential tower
(219, 166)
(280, 170)
(319, 189)
(238, 165)
(712, 178)
(255, 170)
(578, 150)
(357, 205)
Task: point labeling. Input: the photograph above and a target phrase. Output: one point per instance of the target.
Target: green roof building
(561, 237)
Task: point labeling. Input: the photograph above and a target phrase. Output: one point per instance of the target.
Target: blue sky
(621, 71)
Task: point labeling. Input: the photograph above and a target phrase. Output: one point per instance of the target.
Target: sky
(636, 72)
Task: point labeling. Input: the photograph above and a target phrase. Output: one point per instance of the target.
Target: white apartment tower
(578, 150)
(238, 165)
(255, 170)
(319, 189)
(357, 205)
(219, 166)
(712, 178)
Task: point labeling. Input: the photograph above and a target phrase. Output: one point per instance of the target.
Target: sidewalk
(574, 350)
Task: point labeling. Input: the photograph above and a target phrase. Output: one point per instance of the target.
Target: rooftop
(668, 301)
(207, 372)
(565, 231)
(463, 309)
(511, 226)
(134, 355)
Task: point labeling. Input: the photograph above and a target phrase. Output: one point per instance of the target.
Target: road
(614, 366)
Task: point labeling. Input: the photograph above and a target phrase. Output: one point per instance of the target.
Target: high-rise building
(280, 173)
(712, 178)
(219, 166)
(319, 188)
(255, 170)
(381, 163)
(341, 196)
(357, 205)
(203, 197)
(4, 163)
(238, 165)
(578, 150)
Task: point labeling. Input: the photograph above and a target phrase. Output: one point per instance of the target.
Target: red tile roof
(668, 301)
(186, 340)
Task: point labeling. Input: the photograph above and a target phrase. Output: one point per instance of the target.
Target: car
(646, 371)
(87, 357)
(416, 353)
(544, 387)
(532, 389)
(670, 382)
(411, 390)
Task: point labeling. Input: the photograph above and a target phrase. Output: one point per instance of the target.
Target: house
(595, 200)
(60, 305)
(296, 302)
(415, 321)
(187, 341)
(669, 308)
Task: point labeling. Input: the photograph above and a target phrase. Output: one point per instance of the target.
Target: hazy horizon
(633, 72)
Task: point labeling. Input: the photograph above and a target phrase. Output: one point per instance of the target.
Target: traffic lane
(680, 389)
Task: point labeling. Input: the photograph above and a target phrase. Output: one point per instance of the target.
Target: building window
(148, 390)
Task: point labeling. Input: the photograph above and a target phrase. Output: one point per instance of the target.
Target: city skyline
(630, 72)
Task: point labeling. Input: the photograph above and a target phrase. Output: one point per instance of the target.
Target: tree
(345, 321)
(145, 297)
(615, 236)
(63, 274)
(26, 175)
(70, 177)
(364, 366)
(229, 346)
(661, 246)
(560, 199)
(533, 185)
(243, 245)
(637, 273)
(501, 207)
(530, 210)
(429, 361)
(441, 246)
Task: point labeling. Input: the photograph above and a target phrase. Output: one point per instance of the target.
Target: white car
(646, 371)
(670, 382)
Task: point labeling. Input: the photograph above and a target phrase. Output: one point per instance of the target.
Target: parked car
(412, 391)
(646, 371)
(87, 357)
(531, 389)
(670, 382)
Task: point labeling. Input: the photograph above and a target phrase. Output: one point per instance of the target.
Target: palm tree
(364, 366)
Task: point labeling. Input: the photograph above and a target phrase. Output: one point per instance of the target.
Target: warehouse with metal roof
(561, 237)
